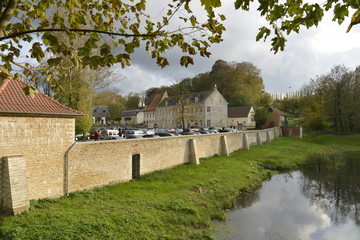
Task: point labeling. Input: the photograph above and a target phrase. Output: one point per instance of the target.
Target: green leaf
(340, 12)
(263, 31)
(54, 61)
(186, 60)
(37, 52)
(30, 91)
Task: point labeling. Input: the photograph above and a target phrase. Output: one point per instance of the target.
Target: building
(241, 117)
(35, 133)
(150, 109)
(201, 109)
(132, 117)
(276, 118)
(100, 114)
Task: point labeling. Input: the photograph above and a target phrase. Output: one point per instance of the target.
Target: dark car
(204, 132)
(80, 137)
(165, 134)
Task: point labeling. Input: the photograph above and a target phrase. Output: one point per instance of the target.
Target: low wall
(92, 164)
(50, 171)
(292, 131)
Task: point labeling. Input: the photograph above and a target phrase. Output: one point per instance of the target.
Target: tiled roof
(234, 112)
(154, 102)
(276, 110)
(14, 101)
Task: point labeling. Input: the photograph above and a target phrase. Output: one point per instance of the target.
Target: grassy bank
(179, 203)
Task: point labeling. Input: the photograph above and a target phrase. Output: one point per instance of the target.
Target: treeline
(241, 84)
(330, 102)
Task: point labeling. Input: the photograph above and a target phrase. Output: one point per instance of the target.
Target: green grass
(179, 203)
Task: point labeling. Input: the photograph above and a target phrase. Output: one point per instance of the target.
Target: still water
(301, 205)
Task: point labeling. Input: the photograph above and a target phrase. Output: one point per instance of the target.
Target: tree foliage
(330, 101)
(241, 84)
(113, 30)
(115, 102)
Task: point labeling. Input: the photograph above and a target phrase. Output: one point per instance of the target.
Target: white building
(241, 117)
(132, 117)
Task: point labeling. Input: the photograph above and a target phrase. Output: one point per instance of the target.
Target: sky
(310, 53)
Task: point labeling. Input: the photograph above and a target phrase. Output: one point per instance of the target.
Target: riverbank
(179, 203)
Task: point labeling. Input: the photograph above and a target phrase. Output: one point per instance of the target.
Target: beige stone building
(35, 133)
(132, 117)
(150, 110)
(201, 109)
(241, 117)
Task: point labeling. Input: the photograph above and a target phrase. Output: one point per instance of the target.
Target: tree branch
(7, 14)
(78, 30)
(23, 66)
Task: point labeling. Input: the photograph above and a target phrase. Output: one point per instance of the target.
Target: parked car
(133, 137)
(151, 136)
(109, 134)
(80, 136)
(188, 133)
(204, 132)
(165, 134)
(133, 132)
(114, 137)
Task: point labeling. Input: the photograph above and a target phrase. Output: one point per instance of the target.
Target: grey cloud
(302, 59)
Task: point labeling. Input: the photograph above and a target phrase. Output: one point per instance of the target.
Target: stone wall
(292, 131)
(54, 165)
(42, 142)
(92, 164)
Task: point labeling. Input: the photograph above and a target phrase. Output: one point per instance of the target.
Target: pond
(300, 205)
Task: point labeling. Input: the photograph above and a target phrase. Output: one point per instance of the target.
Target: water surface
(300, 205)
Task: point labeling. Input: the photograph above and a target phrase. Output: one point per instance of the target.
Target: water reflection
(301, 205)
(336, 192)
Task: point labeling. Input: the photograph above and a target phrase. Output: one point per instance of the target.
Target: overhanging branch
(23, 66)
(78, 30)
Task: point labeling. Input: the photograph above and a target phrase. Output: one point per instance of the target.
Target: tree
(241, 84)
(115, 102)
(133, 101)
(331, 101)
(114, 29)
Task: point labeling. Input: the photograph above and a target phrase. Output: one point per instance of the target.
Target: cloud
(308, 54)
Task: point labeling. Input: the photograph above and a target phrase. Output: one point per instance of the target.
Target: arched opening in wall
(135, 166)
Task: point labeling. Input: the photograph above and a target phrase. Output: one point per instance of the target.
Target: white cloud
(308, 54)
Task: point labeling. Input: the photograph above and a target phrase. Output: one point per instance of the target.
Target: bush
(324, 160)
(316, 122)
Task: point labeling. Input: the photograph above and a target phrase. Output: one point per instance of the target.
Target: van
(109, 134)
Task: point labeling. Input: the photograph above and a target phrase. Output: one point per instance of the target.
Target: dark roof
(101, 111)
(131, 112)
(154, 102)
(192, 97)
(234, 112)
(13, 101)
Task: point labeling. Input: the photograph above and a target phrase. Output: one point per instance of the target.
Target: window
(208, 123)
(208, 109)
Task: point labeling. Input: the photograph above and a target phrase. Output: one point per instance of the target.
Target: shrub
(324, 160)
